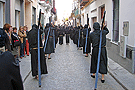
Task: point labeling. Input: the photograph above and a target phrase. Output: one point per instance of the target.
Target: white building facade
(45, 12)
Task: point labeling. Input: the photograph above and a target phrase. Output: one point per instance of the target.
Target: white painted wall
(127, 13)
(96, 10)
(17, 5)
(82, 18)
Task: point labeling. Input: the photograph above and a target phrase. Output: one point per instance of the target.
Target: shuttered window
(33, 15)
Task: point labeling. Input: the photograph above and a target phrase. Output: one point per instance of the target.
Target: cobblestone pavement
(69, 70)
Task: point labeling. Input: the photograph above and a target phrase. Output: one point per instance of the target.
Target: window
(102, 11)
(116, 20)
(33, 15)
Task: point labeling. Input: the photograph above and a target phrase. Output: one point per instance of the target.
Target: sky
(64, 8)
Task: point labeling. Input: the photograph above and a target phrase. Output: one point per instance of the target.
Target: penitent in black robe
(33, 41)
(50, 42)
(94, 39)
(67, 32)
(61, 34)
(84, 41)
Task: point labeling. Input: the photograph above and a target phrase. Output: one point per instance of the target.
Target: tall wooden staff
(54, 38)
(99, 52)
(86, 40)
(79, 39)
(39, 69)
(50, 19)
(86, 34)
(46, 39)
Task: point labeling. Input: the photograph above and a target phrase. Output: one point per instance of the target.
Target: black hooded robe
(61, 34)
(33, 42)
(94, 39)
(80, 38)
(50, 42)
(88, 48)
(67, 32)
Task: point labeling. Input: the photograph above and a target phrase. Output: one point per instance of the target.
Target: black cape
(10, 78)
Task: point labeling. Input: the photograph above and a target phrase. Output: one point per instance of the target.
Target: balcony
(48, 1)
(53, 10)
(83, 2)
(76, 12)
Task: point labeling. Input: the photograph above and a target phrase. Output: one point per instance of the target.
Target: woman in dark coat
(15, 38)
(84, 40)
(50, 42)
(33, 42)
(8, 42)
(94, 39)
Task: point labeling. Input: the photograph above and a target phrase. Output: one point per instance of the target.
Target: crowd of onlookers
(15, 40)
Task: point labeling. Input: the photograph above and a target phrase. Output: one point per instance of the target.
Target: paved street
(67, 70)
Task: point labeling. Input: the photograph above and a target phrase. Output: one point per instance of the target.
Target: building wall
(28, 14)
(95, 11)
(34, 4)
(17, 5)
(126, 14)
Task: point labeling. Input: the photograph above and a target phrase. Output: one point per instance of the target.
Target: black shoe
(49, 58)
(86, 56)
(102, 81)
(93, 76)
(80, 48)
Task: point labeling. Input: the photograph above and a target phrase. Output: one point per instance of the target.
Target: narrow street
(69, 69)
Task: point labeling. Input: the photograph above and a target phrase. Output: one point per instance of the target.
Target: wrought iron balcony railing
(83, 2)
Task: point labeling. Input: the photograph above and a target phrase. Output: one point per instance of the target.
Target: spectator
(15, 42)
(21, 34)
(26, 45)
(8, 30)
(3, 37)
